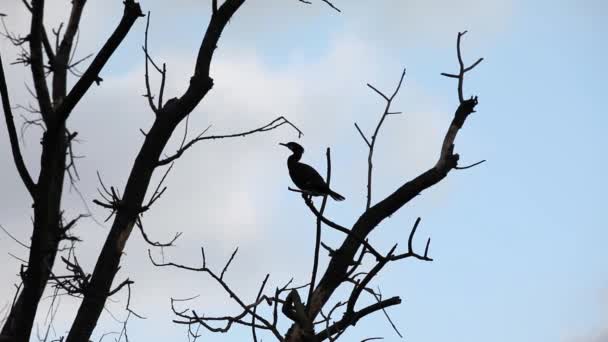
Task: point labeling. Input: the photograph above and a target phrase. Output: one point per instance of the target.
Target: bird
(305, 176)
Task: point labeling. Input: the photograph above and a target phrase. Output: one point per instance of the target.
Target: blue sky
(518, 242)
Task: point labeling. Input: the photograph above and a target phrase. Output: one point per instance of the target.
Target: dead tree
(345, 266)
(50, 57)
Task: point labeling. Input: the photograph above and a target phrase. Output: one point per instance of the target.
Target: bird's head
(294, 147)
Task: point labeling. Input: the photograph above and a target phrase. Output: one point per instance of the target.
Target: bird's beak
(283, 144)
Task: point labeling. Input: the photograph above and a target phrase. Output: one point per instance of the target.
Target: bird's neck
(294, 158)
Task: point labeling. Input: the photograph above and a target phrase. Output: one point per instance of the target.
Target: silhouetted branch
(12, 135)
(354, 296)
(159, 191)
(156, 243)
(372, 144)
(329, 3)
(278, 122)
(228, 320)
(257, 299)
(338, 227)
(14, 238)
(341, 260)
(65, 50)
(463, 70)
(315, 264)
(378, 297)
(347, 320)
(146, 74)
(363, 136)
(132, 11)
(65, 227)
(36, 60)
(469, 166)
(74, 284)
(410, 247)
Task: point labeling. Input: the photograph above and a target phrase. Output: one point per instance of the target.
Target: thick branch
(201, 81)
(12, 135)
(36, 60)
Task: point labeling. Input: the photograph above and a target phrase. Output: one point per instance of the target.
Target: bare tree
(345, 265)
(50, 65)
(52, 234)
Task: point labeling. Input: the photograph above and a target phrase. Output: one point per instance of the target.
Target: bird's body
(305, 176)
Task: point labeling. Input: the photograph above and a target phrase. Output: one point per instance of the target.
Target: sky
(518, 242)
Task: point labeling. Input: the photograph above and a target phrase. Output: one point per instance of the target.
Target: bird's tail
(336, 196)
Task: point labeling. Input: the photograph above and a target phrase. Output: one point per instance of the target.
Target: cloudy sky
(518, 242)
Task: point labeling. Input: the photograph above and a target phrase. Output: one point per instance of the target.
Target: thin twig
(469, 166)
(14, 238)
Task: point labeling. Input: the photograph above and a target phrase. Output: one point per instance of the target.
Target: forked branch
(132, 12)
(340, 264)
(371, 143)
(462, 69)
(194, 318)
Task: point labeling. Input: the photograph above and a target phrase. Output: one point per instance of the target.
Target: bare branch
(156, 243)
(61, 62)
(372, 144)
(354, 296)
(278, 122)
(329, 3)
(132, 11)
(363, 136)
(315, 264)
(469, 166)
(146, 74)
(378, 92)
(374, 215)
(410, 247)
(201, 82)
(162, 86)
(473, 65)
(257, 299)
(340, 228)
(228, 263)
(36, 59)
(462, 69)
(247, 309)
(388, 318)
(342, 324)
(12, 135)
(14, 238)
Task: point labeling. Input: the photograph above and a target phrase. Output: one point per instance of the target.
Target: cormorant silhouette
(305, 177)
